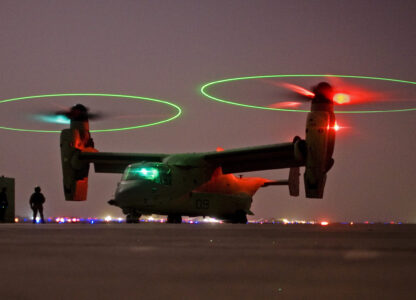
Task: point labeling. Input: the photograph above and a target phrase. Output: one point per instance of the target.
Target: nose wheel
(133, 217)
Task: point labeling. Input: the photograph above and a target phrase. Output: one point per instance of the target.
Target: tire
(240, 217)
(174, 219)
(132, 218)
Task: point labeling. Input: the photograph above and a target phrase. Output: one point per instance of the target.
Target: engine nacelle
(320, 141)
(73, 141)
(75, 173)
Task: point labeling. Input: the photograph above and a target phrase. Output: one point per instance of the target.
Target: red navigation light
(341, 98)
(336, 127)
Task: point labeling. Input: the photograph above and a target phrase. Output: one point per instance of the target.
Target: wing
(267, 157)
(111, 162)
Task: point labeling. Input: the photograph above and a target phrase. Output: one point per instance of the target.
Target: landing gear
(240, 217)
(133, 217)
(174, 219)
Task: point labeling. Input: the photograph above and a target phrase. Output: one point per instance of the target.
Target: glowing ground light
(176, 107)
(223, 81)
(324, 223)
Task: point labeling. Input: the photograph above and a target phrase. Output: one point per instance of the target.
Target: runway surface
(207, 261)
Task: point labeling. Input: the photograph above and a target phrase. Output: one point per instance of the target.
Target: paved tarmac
(207, 261)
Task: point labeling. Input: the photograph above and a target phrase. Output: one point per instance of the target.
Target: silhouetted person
(3, 204)
(36, 204)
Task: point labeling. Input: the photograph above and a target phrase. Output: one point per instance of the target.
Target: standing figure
(36, 204)
(3, 204)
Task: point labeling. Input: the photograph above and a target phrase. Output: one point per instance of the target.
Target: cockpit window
(157, 172)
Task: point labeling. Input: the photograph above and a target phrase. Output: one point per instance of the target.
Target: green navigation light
(213, 83)
(176, 107)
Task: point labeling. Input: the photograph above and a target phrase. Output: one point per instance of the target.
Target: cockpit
(156, 172)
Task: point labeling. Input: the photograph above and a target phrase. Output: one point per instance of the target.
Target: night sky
(167, 50)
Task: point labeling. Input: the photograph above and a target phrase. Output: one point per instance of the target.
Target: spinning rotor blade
(356, 94)
(63, 116)
(81, 113)
(322, 91)
(298, 91)
(343, 93)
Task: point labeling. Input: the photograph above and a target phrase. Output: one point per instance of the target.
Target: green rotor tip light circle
(213, 83)
(176, 107)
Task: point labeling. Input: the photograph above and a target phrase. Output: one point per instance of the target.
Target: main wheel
(240, 217)
(174, 219)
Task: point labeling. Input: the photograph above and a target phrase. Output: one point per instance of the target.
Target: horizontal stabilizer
(292, 182)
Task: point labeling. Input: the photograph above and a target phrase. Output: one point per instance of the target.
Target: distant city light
(192, 220)
(211, 220)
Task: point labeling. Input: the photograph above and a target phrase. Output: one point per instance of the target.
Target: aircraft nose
(127, 193)
(123, 190)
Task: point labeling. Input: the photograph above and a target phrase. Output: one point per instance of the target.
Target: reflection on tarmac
(206, 261)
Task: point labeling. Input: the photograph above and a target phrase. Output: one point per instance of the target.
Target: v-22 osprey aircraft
(200, 184)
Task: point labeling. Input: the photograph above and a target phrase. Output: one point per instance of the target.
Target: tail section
(73, 141)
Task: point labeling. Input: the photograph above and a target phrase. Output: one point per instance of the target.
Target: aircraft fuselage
(158, 188)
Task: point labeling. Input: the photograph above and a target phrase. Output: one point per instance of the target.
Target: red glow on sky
(347, 93)
(343, 93)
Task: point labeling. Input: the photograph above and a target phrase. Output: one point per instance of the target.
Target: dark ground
(207, 261)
